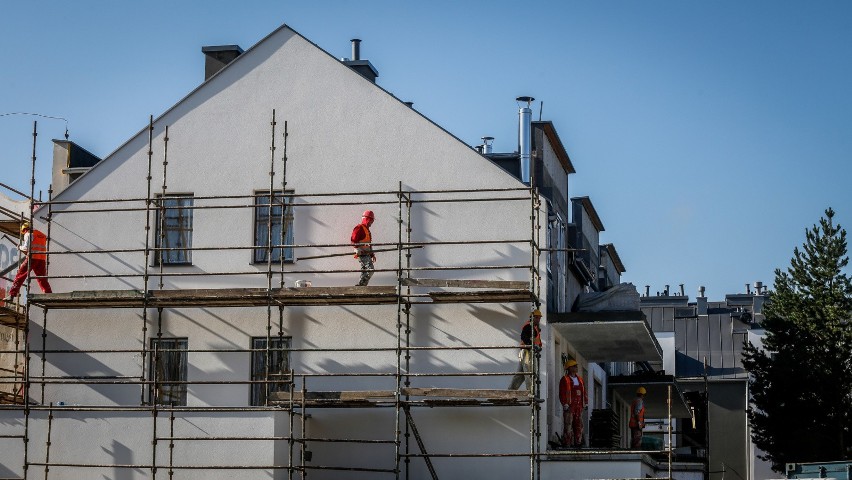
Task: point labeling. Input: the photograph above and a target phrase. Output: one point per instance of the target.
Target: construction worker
(34, 242)
(361, 239)
(637, 418)
(530, 336)
(572, 395)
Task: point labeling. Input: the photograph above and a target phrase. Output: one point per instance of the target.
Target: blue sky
(708, 135)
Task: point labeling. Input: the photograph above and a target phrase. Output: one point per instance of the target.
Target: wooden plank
(440, 282)
(343, 396)
(234, 297)
(11, 318)
(465, 393)
(492, 296)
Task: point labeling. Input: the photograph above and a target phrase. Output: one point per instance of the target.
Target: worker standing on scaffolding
(361, 239)
(530, 335)
(34, 242)
(637, 418)
(572, 395)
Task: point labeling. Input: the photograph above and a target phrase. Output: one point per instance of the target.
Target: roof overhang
(556, 144)
(608, 336)
(656, 398)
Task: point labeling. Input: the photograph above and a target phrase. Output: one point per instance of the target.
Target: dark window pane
(168, 362)
(174, 230)
(279, 368)
(280, 219)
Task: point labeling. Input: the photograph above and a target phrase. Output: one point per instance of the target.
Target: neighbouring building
(702, 344)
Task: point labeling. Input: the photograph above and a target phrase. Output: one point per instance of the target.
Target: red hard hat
(368, 214)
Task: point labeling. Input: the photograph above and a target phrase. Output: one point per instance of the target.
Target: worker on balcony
(361, 239)
(34, 242)
(637, 418)
(572, 395)
(530, 337)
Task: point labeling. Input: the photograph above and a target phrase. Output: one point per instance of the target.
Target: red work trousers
(572, 426)
(39, 267)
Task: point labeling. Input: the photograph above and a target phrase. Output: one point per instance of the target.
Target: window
(167, 363)
(176, 232)
(279, 367)
(280, 218)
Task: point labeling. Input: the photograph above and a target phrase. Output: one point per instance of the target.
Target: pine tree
(801, 381)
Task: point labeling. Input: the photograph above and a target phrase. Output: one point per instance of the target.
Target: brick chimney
(218, 56)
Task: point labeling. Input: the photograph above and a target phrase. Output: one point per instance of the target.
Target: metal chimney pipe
(524, 138)
(701, 291)
(647, 290)
(759, 287)
(748, 288)
(356, 48)
(487, 144)
(681, 290)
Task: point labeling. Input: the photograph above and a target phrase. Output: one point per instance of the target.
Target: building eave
(590, 209)
(556, 143)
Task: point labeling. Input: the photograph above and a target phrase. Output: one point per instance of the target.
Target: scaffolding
(290, 392)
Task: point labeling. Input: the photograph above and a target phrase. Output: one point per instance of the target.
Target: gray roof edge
(221, 48)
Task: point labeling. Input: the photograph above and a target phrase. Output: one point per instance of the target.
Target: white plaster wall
(667, 344)
(345, 134)
(583, 470)
(11, 449)
(124, 438)
(554, 166)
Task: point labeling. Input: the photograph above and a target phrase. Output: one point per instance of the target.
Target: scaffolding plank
(440, 282)
(223, 297)
(466, 393)
(488, 296)
(335, 399)
(12, 318)
(11, 399)
(343, 395)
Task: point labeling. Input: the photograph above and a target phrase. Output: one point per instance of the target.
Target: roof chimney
(69, 162)
(487, 143)
(356, 48)
(364, 67)
(524, 137)
(217, 57)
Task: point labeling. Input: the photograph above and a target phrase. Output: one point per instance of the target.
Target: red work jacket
(536, 338)
(570, 394)
(361, 239)
(637, 413)
(38, 245)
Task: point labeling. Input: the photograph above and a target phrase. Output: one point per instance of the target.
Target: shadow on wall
(82, 364)
(687, 366)
(121, 455)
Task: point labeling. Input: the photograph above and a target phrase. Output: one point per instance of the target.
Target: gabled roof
(242, 59)
(613, 255)
(586, 202)
(556, 143)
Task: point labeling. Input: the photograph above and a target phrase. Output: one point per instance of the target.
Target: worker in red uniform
(34, 242)
(361, 239)
(572, 395)
(637, 418)
(530, 336)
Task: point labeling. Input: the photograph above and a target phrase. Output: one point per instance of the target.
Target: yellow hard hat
(536, 313)
(570, 363)
(25, 226)
(641, 391)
